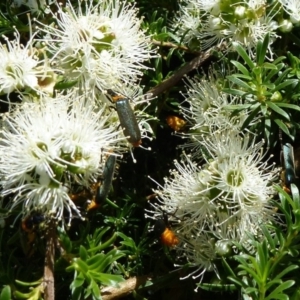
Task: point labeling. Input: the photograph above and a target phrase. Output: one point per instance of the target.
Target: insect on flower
(127, 118)
(29, 231)
(103, 189)
(288, 175)
(163, 229)
(176, 123)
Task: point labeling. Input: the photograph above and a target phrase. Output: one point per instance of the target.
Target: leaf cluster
(269, 270)
(268, 92)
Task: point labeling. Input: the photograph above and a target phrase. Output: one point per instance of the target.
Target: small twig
(188, 67)
(49, 292)
(126, 287)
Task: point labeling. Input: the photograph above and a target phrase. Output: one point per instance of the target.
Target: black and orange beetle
(127, 118)
(163, 230)
(288, 164)
(29, 231)
(103, 189)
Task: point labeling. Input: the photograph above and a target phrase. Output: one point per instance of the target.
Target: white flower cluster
(292, 8)
(209, 22)
(97, 46)
(48, 146)
(207, 110)
(220, 194)
(50, 141)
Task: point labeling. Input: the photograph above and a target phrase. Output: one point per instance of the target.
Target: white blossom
(292, 8)
(212, 22)
(99, 46)
(220, 202)
(47, 146)
(20, 67)
(207, 111)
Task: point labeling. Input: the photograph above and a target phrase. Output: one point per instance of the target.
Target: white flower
(219, 203)
(243, 22)
(211, 6)
(187, 23)
(200, 253)
(20, 66)
(239, 173)
(99, 46)
(207, 111)
(185, 195)
(292, 8)
(46, 147)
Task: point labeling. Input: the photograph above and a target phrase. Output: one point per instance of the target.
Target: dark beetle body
(103, 190)
(29, 231)
(159, 227)
(108, 175)
(289, 164)
(127, 118)
(30, 222)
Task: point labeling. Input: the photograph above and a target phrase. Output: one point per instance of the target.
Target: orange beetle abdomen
(169, 238)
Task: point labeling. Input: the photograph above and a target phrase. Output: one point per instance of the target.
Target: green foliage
(36, 290)
(116, 242)
(5, 293)
(268, 271)
(266, 89)
(90, 271)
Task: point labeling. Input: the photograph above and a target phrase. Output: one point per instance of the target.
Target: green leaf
(236, 281)
(269, 238)
(262, 259)
(272, 282)
(78, 281)
(128, 241)
(251, 290)
(271, 74)
(242, 52)
(285, 84)
(282, 76)
(261, 49)
(255, 109)
(288, 105)
(227, 267)
(296, 196)
(241, 68)
(276, 293)
(95, 290)
(80, 266)
(239, 82)
(30, 284)
(282, 126)
(77, 293)
(242, 76)
(270, 66)
(251, 272)
(278, 110)
(107, 279)
(286, 271)
(95, 261)
(234, 92)
(104, 245)
(65, 241)
(267, 129)
(5, 293)
(83, 253)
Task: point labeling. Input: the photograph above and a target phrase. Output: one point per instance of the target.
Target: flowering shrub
(149, 149)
